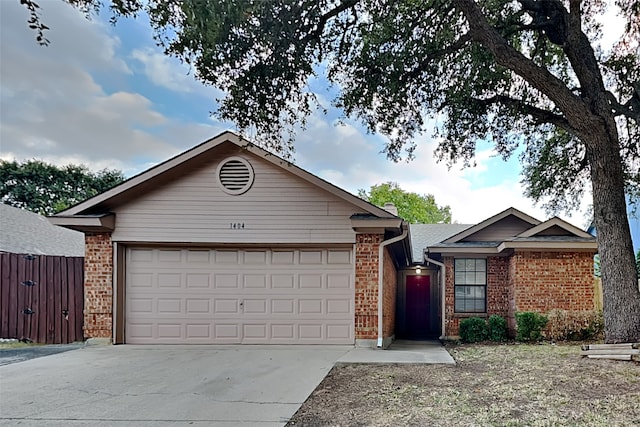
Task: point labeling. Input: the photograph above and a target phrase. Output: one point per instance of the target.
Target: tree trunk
(621, 297)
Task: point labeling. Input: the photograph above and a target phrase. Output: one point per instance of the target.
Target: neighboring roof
(184, 162)
(25, 232)
(425, 235)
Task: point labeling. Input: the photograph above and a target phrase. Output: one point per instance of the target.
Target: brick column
(452, 323)
(98, 286)
(366, 303)
(390, 279)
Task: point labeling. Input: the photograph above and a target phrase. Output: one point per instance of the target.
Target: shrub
(529, 326)
(575, 325)
(497, 328)
(473, 329)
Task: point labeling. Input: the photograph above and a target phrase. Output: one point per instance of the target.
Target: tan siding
(279, 208)
(508, 227)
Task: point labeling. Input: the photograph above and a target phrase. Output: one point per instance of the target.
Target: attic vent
(235, 175)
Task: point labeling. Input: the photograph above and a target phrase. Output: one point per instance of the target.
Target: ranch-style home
(228, 243)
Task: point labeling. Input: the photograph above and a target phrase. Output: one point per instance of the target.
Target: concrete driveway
(164, 385)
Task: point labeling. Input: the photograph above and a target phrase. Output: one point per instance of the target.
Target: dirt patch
(505, 385)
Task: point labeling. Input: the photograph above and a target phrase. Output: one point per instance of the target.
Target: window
(470, 285)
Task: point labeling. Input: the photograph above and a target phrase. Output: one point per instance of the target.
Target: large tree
(46, 189)
(519, 73)
(412, 207)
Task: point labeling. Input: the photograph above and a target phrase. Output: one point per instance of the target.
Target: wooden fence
(41, 298)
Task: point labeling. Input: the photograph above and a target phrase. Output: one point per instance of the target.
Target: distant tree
(412, 207)
(46, 189)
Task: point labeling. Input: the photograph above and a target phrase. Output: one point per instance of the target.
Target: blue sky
(107, 97)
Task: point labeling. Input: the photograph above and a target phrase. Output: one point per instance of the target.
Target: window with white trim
(470, 285)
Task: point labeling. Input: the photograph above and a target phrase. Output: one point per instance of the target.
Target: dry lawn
(502, 385)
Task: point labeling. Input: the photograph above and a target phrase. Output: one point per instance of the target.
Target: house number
(236, 225)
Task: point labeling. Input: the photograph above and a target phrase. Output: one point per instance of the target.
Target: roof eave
(86, 223)
(376, 225)
(577, 246)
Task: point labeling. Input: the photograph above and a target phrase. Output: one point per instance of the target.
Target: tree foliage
(519, 73)
(412, 207)
(46, 189)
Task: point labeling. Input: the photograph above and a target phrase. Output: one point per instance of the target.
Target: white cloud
(349, 158)
(164, 71)
(53, 108)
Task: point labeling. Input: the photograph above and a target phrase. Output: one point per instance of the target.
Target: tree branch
(540, 115)
(572, 106)
(631, 108)
(319, 28)
(458, 44)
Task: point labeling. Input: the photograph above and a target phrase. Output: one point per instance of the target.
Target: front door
(418, 309)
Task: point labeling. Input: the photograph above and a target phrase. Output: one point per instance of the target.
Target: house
(24, 232)
(41, 279)
(228, 243)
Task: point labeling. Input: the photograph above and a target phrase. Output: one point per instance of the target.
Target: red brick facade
(98, 288)
(98, 292)
(366, 301)
(528, 281)
(543, 281)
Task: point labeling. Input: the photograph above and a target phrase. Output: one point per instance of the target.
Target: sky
(106, 96)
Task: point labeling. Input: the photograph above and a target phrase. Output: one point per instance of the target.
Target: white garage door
(251, 296)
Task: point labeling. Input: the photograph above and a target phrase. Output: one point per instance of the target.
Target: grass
(16, 344)
(491, 385)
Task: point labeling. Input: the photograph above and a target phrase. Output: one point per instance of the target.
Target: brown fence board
(22, 300)
(42, 301)
(78, 307)
(5, 278)
(58, 289)
(34, 296)
(57, 299)
(51, 301)
(13, 299)
(71, 300)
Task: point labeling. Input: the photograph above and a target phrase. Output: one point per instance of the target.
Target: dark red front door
(418, 314)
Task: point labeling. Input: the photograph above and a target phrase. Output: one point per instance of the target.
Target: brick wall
(498, 285)
(498, 280)
(98, 286)
(390, 280)
(543, 281)
(366, 302)
(452, 322)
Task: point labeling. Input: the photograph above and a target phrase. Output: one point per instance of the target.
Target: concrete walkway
(401, 352)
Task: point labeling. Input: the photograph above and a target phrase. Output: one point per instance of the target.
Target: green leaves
(412, 207)
(47, 189)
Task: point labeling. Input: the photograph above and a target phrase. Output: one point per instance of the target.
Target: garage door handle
(241, 303)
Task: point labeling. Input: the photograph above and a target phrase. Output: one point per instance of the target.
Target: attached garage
(229, 244)
(239, 296)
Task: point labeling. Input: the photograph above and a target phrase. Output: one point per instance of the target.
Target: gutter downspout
(405, 232)
(442, 289)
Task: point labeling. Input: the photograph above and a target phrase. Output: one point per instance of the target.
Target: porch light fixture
(418, 270)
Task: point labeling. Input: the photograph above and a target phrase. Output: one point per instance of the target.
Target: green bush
(497, 328)
(530, 325)
(473, 329)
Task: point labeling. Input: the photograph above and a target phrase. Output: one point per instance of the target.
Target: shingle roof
(424, 235)
(25, 232)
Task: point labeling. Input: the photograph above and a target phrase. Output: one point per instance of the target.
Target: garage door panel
(234, 296)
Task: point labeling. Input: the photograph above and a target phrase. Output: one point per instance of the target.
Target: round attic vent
(235, 175)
